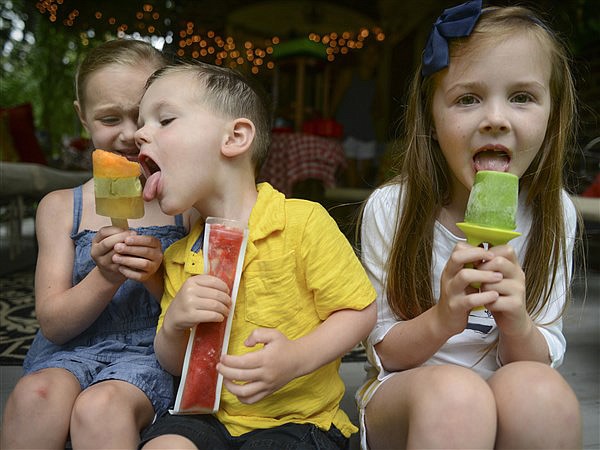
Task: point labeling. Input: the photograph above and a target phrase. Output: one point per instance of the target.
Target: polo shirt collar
(267, 216)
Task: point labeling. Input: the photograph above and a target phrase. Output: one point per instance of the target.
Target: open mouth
(495, 159)
(148, 165)
(153, 175)
(131, 155)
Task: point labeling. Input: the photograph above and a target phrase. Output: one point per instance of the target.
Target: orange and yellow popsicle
(117, 187)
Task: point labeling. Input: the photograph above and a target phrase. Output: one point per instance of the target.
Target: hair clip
(454, 22)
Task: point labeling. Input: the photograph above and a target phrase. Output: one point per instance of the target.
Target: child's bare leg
(432, 407)
(536, 408)
(169, 441)
(37, 412)
(110, 414)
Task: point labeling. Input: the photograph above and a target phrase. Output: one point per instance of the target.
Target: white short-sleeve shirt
(466, 348)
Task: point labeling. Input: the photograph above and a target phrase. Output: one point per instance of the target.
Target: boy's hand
(253, 376)
(457, 297)
(509, 309)
(202, 298)
(103, 251)
(138, 256)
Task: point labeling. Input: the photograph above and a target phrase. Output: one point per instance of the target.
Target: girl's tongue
(491, 160)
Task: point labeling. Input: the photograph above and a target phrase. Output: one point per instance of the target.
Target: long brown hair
(423, 174)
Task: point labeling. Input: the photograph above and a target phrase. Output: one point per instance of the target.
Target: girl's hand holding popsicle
(509, 309)
(457, 294)
(103, 252)
(139, 256)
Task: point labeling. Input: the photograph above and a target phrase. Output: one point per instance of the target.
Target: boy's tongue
(151, 186)
(491, 160)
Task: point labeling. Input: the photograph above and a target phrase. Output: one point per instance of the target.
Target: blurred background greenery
(43, 41)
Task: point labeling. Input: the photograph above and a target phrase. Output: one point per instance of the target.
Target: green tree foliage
(38, 64)
(39, 58)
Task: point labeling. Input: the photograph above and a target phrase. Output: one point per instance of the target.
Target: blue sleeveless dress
(119, 345)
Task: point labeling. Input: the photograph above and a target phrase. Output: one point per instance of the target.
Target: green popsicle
(491, 212)
(493, 200)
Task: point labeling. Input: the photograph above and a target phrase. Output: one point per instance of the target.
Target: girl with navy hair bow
(452, 366)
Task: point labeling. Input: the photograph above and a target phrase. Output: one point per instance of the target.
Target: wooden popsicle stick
(120, 223)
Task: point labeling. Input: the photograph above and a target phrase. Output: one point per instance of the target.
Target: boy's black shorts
(207, 433)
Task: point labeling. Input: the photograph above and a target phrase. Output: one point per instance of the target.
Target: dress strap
(77, 205)
(179, 220)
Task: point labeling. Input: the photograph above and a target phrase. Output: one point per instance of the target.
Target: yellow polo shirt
(298, 269)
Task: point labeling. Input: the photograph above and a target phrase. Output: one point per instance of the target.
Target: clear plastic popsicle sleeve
(199, 392)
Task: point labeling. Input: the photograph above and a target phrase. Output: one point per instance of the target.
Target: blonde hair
(125, 52)
(424, 175)
(232, 95)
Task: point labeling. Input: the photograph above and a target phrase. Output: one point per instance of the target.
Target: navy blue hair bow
(454, 22)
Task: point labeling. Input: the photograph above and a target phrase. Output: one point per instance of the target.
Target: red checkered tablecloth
(296, 156)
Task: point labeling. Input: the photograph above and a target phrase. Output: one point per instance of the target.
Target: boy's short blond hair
(232, 95)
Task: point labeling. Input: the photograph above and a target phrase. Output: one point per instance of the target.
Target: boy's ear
(240, 137)
(80, 115)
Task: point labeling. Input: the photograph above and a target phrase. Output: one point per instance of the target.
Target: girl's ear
(433, 134)
(239, 139)
(80, 115)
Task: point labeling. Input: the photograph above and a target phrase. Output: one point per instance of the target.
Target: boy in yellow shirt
(304, 299)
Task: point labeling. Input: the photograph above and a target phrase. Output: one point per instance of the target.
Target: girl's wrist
(520, 334)
(438, 326)
(527, 345)
(112, 279)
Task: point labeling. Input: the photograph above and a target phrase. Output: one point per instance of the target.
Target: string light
(209, 45)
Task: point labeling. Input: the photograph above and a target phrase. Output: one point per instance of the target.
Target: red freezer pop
(201, 379)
